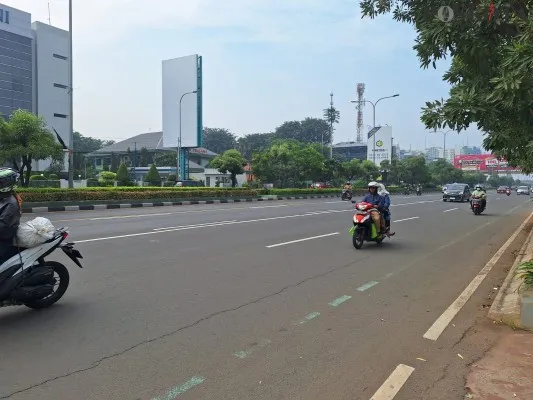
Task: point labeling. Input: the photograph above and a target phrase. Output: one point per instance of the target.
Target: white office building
(34, 71)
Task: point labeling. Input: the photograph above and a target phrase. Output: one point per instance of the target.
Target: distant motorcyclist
(348, 186)
(479, 191)
(419, 189)
(377, 201)
(10, 212)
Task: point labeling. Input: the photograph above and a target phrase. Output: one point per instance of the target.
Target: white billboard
(379, 144)
(182, 90)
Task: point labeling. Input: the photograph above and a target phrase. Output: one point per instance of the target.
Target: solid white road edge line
(302, 240)
(444, 320)
(394, 383)
(451, 209)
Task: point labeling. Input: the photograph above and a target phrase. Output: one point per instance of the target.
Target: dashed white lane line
(394, 383)
(451, 209)
(301, 240)
(444, 320)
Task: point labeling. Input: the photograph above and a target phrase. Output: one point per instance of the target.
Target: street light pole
(179, 139)
(374, 104)
(71, 89)
(444, 144)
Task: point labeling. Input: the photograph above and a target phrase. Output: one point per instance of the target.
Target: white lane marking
(405, 219)
(197, 225)
(451, 209)
(214, 210)
(301, 240)
(394, 383)
(497, 198)
(444, 320)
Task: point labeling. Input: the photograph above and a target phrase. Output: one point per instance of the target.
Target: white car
(522, 190)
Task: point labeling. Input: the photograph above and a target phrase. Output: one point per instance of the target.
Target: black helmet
(8, 180)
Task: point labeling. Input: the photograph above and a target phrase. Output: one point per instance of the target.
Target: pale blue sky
(265, 62)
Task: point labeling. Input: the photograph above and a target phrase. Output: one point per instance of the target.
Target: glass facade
(15, 73)
(349, 151)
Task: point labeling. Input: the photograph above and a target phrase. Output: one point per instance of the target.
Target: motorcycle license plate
(452, 198)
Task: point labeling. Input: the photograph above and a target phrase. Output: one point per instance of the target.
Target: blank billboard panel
(181, 76)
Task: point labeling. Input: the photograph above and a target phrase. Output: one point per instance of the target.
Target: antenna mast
(360, 105)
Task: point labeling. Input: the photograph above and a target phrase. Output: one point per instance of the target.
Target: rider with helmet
(375, 199)
(348, 186)
(479, 191)
(9, 212)
(382, 191)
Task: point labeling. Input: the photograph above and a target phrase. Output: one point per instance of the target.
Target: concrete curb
(99, 207)
(506, 305)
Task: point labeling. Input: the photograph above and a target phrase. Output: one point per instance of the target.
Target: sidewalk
(506, 371)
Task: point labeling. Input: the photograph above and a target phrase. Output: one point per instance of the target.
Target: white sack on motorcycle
(35, 232)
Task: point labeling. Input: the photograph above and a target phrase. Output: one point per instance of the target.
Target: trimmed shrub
(107, 178)
(92, 182)
(123, 176)
(37, 178)
(40, 183)
(152, 177)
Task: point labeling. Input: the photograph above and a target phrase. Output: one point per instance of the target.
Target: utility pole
(135, 161)
(71, 116)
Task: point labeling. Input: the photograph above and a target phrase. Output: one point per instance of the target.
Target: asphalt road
(196, 302)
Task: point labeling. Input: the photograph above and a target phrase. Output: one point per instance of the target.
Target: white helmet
(373, 184)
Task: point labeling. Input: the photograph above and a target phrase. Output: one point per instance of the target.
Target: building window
(58, 85)
(4, 16)
(60, 56)
(60, 115)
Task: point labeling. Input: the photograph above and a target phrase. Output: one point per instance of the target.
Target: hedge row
(36, 195)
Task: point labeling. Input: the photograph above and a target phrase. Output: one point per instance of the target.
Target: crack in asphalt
(97, 363)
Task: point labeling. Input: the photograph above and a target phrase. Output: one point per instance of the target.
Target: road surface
(260, 301)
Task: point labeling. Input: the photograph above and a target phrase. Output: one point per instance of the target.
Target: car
(321, 185)
(502, 189)
(522, 190)
(457, 192)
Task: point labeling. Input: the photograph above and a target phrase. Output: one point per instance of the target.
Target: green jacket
(479, 193)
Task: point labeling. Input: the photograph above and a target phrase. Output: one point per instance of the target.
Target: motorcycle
(419, 192)
(406, 192)
(476, 204)
(508, 192)
(28, 279)
(346, 194)
(363, 228)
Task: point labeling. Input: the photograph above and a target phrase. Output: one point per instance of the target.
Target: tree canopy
(491, 63)
(218, 140)
(230, 161)
(310, 130)
(24, 138)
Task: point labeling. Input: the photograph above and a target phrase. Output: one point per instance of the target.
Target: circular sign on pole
(445, 14)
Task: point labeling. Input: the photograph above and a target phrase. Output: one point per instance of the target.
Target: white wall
(50, 70)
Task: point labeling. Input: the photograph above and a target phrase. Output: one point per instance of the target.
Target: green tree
(152, 177)
(107, 178)
(123, 176)
(442, 172)
(24, 138)
(218, 140)
(253, 143)
(83, 145)
(370, 171)
(490, 73)
(288, 163)
(230, 161)
(166, 159)
(417, 170)
(310, 130)
(144, 157)
(115, 162)
(352, 169)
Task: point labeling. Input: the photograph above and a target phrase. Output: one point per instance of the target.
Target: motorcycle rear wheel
(64, 278)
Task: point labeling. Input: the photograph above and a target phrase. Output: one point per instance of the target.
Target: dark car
(457, 192)
(502, 189)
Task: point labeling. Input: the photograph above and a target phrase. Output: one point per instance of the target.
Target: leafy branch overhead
(491, 67)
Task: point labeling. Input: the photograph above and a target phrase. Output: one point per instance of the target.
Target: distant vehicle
(321, 185)
(457, 192)
(189, 183)
(522, 190)
(502, 189)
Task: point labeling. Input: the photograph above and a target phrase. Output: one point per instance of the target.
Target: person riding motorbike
(10, 212)
(479, 191)
(386, 204)
(348, 186)
(375, 199)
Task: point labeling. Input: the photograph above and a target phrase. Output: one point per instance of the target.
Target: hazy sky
(264, 62)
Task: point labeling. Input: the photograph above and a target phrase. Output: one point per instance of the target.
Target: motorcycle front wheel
(62, 278)
(358, 237)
